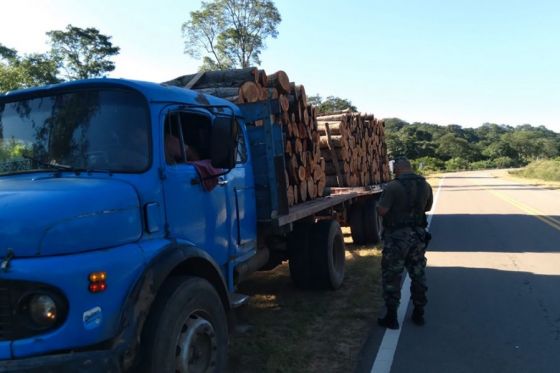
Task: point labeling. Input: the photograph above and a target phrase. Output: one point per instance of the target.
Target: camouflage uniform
(404, 248)
(404, 237)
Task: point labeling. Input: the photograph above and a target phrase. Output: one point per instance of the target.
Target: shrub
(428, 164)
(506, 162)
(545, 169)
(457, 164)
(483, 165)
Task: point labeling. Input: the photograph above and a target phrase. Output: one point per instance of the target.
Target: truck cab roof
(153, 92)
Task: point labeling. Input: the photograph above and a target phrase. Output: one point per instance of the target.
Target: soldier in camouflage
(403, 206)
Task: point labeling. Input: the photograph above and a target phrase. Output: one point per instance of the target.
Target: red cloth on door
(208, 173)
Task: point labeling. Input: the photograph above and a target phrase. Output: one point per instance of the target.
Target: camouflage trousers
(404, 248)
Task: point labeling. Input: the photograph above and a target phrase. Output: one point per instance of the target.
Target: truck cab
(125, 208)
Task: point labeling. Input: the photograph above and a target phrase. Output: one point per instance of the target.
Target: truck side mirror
(224, 142)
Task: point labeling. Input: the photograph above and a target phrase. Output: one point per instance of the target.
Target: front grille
(6, 324)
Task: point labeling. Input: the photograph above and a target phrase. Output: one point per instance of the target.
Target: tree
(82, 53)
(230, 33)
(332, 104)
(314, 100)
(451, 146)
(25, 71)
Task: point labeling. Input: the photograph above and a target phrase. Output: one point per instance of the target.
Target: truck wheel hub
(197, 346)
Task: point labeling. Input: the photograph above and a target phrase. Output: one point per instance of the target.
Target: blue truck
(117, 256)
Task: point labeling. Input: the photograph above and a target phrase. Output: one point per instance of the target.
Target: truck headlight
(42, 310)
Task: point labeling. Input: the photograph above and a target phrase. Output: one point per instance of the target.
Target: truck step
(237, 300)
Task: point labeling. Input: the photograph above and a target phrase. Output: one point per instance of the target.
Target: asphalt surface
(494, 282)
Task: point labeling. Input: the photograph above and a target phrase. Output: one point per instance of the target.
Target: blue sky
(462, 62)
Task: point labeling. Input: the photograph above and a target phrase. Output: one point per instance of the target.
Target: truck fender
(174, 258)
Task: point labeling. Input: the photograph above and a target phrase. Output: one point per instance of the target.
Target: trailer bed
(337, 196)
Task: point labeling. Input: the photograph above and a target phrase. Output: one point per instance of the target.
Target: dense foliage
(434, 147)
(75, 53)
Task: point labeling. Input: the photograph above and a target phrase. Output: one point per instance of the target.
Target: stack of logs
(356, 141)
(354, 149)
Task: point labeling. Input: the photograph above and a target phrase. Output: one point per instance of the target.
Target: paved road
(494, 282)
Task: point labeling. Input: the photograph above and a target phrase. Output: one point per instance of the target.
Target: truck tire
(187, 329)
(356, 222)
(328, 254)
(372, 223)
(300, 256)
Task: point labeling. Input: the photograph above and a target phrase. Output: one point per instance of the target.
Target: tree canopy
(230, 33)
(331, 104)
(82, 53)
(25, 71)
(453, 147)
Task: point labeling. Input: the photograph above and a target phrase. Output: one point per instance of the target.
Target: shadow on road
(494, 233)
(484, 320)
(478, 320)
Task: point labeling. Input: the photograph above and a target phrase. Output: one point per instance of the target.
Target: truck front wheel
(186, 330)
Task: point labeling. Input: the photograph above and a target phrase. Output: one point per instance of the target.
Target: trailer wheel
(300, 256)
(372, 223)
(356, 222)
(328, 254)
(187, 329)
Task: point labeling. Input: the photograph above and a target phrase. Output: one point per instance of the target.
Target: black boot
(390, 320)
(418, 316)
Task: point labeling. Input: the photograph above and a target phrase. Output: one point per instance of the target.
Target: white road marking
(384, 358)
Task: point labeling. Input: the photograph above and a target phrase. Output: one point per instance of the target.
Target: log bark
(218, 78)
(280, 81)
(250, 92)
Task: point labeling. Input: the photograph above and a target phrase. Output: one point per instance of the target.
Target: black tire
(300, 256)
(187, 319)
(356, 222)
(371, 223)
(328, 255)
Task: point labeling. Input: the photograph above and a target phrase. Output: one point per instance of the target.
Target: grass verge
(544, 170)
(290, 330)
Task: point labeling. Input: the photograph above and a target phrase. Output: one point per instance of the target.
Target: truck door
(198, 213)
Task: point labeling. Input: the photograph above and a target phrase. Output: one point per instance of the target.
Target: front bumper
(90, 361)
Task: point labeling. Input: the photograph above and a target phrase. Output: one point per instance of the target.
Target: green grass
(548, 170)
(302, 331)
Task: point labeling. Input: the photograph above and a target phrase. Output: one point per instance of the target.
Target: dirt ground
(284, 329)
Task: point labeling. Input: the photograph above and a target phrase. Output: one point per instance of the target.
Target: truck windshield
(89, 130)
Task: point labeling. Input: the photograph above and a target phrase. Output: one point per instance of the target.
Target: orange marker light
(97, 276)
(97, 282)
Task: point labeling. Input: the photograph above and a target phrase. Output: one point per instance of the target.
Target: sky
(463, 62)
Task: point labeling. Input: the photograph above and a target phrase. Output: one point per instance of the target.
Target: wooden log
(321, 187)
(280, 81)
(284, 103)
(220, 91)
(335, 141)
(290, 195)
(293, 91)
(333, 117)
(250, 92)
(311, 188)
(288, 148)
(262, 78)
(263, 93)
(218, 78)
(302, 173)
(303, 191)
(302, 96)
